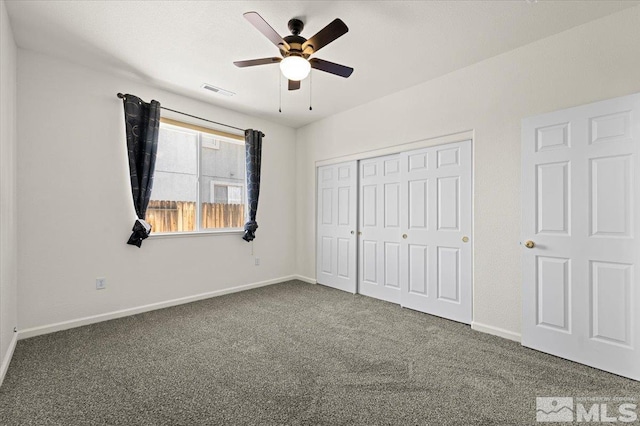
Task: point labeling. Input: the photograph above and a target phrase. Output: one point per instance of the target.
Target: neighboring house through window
(199, 180)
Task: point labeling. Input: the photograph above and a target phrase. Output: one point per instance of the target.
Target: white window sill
(195, 233)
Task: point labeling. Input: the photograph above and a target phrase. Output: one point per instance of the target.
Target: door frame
(463, 136)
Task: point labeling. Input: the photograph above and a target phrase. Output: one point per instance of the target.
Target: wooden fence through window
(180, 216)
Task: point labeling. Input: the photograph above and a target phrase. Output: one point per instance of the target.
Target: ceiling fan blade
(294, 85)
(266, 29)
(335, 29)
(330, 67)
(254, 62)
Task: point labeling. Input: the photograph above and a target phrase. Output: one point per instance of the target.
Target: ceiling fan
(296, 50)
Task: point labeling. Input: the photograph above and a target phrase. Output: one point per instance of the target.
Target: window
(199, 181)
(226, 193)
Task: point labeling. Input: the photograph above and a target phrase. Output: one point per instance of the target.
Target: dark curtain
(142, 121)
(253, 157)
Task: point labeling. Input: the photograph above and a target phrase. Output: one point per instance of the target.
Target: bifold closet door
(336, 225)
(436, 220)
(379, 242)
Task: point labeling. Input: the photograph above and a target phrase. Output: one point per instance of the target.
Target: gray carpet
(291, 353)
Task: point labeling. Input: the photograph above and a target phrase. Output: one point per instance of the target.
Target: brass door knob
(465, 239)
(404, 236)
(530, 244)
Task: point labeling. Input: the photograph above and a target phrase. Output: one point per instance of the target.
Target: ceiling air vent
(218, 90)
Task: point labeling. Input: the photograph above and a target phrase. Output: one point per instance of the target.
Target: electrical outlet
(257, 261)
(101, 283)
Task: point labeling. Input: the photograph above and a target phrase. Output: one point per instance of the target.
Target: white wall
(76, 211)
(595, 61)
(8, 241)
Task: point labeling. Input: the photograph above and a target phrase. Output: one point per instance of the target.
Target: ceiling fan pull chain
(310, 109)
(280, 93)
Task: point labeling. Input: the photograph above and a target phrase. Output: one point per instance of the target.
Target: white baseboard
(7, 357)
(306, 279)
(65, 325)
(496, 331)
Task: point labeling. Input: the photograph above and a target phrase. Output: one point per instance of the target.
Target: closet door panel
(435, 251)
(336, 225)
(379, 259)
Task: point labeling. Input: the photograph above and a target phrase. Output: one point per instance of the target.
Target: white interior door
(379, 242)
(581, 214)
(336, 226)
(436, 220)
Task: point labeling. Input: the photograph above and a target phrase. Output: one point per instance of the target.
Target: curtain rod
(121, 96)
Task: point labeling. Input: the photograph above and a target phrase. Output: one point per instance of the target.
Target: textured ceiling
(179, 45)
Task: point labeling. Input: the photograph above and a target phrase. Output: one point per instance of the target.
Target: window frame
(226, 137)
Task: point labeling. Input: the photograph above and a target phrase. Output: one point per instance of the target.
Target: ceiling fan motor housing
(295, 41)
(295, 47)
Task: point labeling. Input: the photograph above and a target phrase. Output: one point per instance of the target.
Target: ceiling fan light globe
(295, 68)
